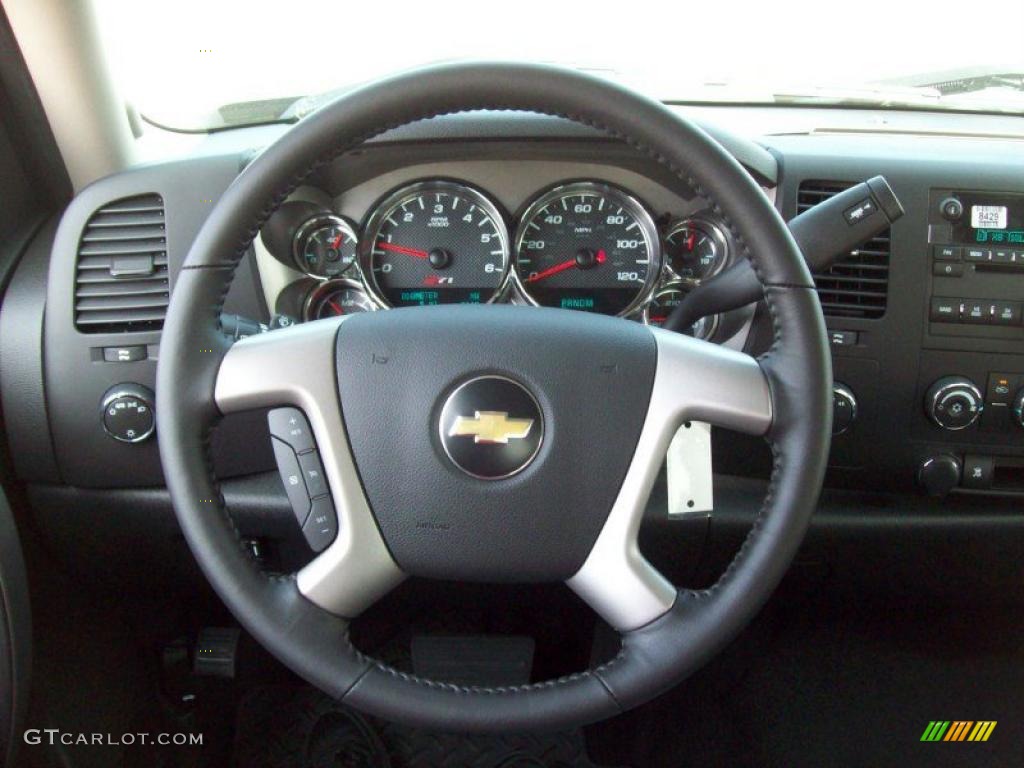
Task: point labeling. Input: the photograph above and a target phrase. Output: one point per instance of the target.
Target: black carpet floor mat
(298, 727)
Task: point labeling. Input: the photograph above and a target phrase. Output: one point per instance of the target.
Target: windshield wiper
(949, 87)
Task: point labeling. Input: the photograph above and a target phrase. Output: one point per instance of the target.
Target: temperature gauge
(325, 245)
(695, 249)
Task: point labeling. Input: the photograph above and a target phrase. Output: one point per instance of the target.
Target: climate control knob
(1018, 408)
(954, 402)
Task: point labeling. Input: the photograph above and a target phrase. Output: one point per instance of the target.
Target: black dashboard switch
(842, 338)
(322, 525)
(947, 269)
(129, 354)
(313, 472)
(1000, 388)
(946, 252)
(976, 254)
(290, 425)
(291, 477)
(862, 210)
(1002, 256)
(1006, 312)
(1017, 258)
(978, 471)
(945, 310)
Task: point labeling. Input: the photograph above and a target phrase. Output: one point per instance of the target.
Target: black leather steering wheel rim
(315, 643)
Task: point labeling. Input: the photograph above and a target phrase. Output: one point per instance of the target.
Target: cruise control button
(313, 472)
(322, 525)
(291, 477)
(290, 425)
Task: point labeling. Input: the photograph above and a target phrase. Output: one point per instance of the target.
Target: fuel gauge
(325, 245)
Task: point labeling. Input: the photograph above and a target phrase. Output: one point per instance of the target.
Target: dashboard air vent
(858, 284)
(121, 280)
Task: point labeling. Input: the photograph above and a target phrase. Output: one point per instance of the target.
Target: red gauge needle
(336, 308)
(336, 243)
(691, 241)
(385, 246)
(600, 258)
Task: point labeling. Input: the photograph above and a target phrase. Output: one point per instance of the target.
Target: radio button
(945, 310)
(1002, 256)
(977, 254)
(947, 269)
(1018, 258)
(946, 252)
(1006, 312)
(976, 312)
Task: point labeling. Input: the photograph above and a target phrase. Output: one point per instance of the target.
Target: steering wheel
(493, 443)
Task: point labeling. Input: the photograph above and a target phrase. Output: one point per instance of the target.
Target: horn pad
(492, 441)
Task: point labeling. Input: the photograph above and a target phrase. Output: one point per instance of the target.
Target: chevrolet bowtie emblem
(491, 427)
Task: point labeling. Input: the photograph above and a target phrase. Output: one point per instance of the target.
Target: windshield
(201, 64)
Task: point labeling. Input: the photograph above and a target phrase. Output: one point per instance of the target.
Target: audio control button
(948, 269)
(946, 252)
(945, 310)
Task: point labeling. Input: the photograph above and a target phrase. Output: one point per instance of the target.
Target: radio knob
(954, 402)
(951, 209)
(1018, 408)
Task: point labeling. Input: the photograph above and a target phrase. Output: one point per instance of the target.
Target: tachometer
(587, 246)
(435, 242)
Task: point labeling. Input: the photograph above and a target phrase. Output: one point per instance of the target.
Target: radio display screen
(997, 219)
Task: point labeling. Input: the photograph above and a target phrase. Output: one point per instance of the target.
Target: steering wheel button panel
(313, 473)
(290, 425)
(322, 525)
(291, 477)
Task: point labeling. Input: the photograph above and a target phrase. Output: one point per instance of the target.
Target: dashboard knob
(951, 209)
(954, 402)
(127, 412)
(844, 408)
(1018, 408)
(939, 474)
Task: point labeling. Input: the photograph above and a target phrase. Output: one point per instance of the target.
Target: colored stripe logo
(958, 730)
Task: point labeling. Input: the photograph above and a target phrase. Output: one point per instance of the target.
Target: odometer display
(435, 242)
(587, 246)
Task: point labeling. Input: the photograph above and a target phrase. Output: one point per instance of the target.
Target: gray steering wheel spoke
(296, 366)
(694, 381)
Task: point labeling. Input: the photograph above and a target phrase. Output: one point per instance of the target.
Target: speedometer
(435, 242)
(587, 246)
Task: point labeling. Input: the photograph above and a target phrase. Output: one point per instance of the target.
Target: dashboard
(925, 320)
(587, 237)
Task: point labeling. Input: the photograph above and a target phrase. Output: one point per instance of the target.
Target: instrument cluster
(584, 245)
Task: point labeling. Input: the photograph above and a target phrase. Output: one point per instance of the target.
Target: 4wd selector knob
(954, 402)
